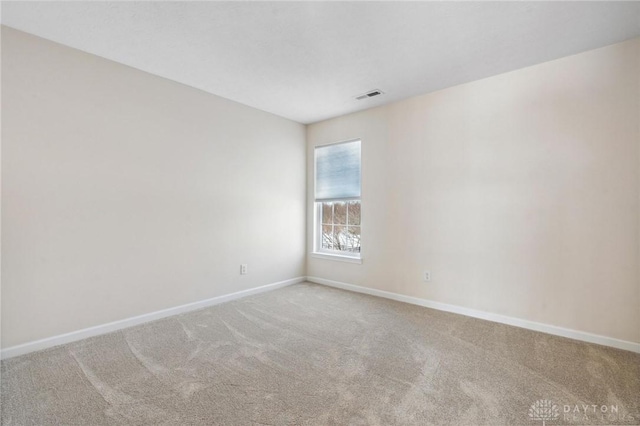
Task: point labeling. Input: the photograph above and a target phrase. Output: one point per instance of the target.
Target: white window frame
(318, 251)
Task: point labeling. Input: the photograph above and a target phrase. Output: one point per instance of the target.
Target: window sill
(339, 258)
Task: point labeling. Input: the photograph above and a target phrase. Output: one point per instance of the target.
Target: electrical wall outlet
(243, 269)
(426, 276)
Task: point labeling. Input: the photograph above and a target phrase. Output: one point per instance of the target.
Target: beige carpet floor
(308, 354)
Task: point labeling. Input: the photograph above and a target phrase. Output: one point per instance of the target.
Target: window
(337, 198)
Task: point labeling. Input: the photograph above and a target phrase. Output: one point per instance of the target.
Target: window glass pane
(340, 213)
(327, 215)
(327, 237)
(339, 237)
(338, 171)
(353, 239)
(354, 212)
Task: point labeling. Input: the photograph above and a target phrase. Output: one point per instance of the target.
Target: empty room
(320, 213)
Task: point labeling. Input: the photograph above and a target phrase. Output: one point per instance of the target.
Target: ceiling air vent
(370, 94)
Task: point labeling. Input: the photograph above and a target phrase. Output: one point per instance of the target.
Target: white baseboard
(152, 316)
(517, 322)
(73, 336)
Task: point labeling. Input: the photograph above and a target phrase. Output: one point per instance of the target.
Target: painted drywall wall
(0, 193)
(125, 193)
(518, 192)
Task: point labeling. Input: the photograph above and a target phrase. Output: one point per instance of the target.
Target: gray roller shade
(338, 171)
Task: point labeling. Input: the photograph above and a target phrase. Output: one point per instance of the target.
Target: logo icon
(544, 410)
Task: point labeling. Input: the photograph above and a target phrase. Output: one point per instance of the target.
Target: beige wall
(125, 193)
(519, 192)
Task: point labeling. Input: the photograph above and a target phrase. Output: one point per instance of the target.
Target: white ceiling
(308, 60)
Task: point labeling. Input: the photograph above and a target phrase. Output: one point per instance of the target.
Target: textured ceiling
(308, 60)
